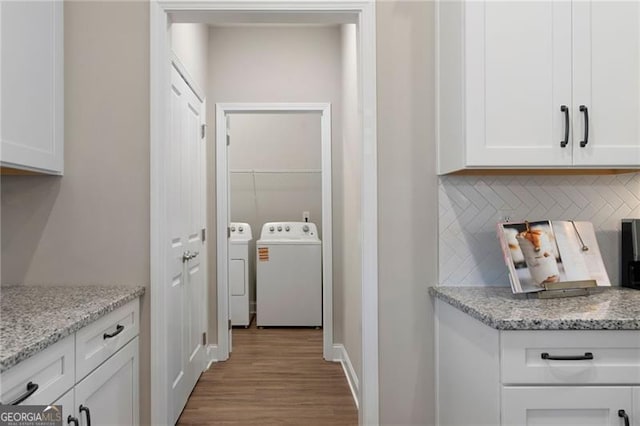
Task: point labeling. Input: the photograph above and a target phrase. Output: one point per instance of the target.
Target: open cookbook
(538, 253)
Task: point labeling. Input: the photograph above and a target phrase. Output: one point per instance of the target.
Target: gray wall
(91, 226)
(190, 43)
(349, 237)
(408, 213)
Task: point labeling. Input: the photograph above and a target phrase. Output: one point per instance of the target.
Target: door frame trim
(363, 14)
(222, 219)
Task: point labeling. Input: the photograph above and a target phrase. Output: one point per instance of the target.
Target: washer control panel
(289, 230)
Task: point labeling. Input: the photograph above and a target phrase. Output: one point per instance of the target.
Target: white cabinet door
(111, 391)
(67, 401)
(635, 416)
(32, 102)
(606, 78)
(518, 75)
(565, 405)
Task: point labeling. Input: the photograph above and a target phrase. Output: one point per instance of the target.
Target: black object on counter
(630, 255)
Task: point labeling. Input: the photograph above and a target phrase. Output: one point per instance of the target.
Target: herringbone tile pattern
(470, 207)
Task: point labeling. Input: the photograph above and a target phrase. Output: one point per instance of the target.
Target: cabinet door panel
(32, 85)
(567, 406)
(518, 75)
(111, 391)
(636, 405)
(67, 401)
(606, 80)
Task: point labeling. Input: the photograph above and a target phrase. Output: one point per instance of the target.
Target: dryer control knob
(305, 228)
(287, 228)
(233, 229)
(279, 228)
(271, 228)
(240, 229)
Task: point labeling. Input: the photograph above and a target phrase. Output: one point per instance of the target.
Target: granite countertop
(33, 317)
(613, 308)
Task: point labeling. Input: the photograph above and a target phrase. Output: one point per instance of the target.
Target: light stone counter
(33, 318)
(614, 308)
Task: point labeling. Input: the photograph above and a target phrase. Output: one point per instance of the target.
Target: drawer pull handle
(73, 420)
(587, 356)
(119, 329)
(31, 389)
(623, 415)
(86, 411)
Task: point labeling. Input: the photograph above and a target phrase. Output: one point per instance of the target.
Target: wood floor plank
(275, 376)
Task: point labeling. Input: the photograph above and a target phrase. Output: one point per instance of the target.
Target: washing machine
(289, 275)
(239, 278)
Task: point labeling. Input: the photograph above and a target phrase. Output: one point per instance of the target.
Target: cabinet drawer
(102, 338)
(565, 405)
(51, 370)
(602, 357)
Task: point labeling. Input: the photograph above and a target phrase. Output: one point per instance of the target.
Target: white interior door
(195, 224)
(186, 294)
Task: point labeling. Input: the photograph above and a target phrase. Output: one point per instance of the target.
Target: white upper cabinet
(513, 75)
(606, 81)
(32, 95)
(518, 74)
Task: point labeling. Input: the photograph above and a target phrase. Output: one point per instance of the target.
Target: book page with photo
(580, 251)
(543, 252)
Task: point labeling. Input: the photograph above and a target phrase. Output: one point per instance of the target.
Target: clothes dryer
(239, 285)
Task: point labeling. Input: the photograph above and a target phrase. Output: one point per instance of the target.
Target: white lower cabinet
(494, 377)
(69, 412)
(110, 393)
(96, 385)
(566, 405)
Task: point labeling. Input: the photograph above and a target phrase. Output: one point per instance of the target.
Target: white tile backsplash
(470, 207)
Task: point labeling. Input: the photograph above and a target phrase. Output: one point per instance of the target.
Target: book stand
(568, 289)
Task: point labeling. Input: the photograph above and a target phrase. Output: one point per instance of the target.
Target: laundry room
(283, 148)
(275, 176)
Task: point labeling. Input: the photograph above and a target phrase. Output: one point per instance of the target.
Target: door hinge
(204, 235)
(204, 338)
(203, 131)
(228, 232)
(229, 324)
(228, 139)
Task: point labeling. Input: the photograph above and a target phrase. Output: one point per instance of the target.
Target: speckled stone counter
(33, 318)
(613, 308)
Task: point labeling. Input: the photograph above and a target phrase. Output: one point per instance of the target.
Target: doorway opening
(163, 13)
(225, 114)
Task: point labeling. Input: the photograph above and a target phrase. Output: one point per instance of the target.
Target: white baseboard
(212, 355)
(340, 355)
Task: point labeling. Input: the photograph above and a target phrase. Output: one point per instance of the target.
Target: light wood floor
(275, 376)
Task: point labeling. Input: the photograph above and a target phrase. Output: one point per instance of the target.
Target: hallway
(276, 376)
